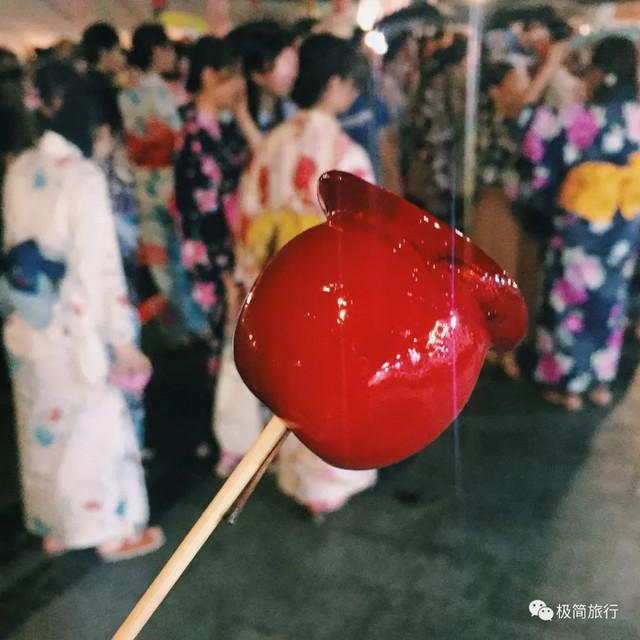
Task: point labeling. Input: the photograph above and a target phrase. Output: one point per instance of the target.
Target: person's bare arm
(247, 125)
(249, 129)
(557, 54)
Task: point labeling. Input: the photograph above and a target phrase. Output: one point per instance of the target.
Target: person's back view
(279, 200)
(278, 191)
(82, 480)
(585, 171)
(151, 126)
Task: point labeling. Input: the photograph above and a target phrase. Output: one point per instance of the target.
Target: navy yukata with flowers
(211, 156)
(585, 173)
(127, 220)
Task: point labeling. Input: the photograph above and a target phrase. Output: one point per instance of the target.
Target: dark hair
(396, 45)
(82, 112)
(52, 79)
(146, 38)
(210, 52)
(492, 75)
(362, 75)
(44, 54)
(97, 39)
(323, 56)
(357, 36)
(107, 92)
(10, 68)
(616, 57)
(451, 55)
(424, 40)
(547, 17)
(303, 28)
(259, 43)
(16, 133)
(544, 15)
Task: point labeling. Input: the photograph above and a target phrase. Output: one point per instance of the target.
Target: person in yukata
(101, 49)
(69, 332)
(585, 169)
(269, 63)
(434, 178)
(278, 199)
(539, 32)
(212, 152)
(270, 66)
(151, 125)
(495, 228)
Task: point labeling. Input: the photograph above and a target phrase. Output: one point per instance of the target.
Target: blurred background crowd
(148, 175)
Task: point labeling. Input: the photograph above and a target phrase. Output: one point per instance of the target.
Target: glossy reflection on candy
(366, 334)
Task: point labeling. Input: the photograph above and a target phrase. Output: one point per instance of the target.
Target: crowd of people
(148, 188)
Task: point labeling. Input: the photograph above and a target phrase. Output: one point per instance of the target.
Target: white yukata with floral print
(82, 480)
(279, 188)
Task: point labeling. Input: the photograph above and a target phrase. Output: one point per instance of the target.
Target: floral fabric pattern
(436, 135)
(127, 221)
(152, 123)
(278, 195)
(210, 158)
(583, 170)
(497, 153)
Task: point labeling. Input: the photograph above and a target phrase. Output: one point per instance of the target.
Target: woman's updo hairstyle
(146, 38)
(617, 58)
(323, 56)
(213, 53)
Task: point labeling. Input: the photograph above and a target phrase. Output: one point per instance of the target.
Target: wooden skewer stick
(270, 438)
(241, 502)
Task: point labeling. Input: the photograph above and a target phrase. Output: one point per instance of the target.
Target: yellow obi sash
(596, 190)
(271, 230)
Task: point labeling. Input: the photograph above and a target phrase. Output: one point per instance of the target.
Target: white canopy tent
(25, 24)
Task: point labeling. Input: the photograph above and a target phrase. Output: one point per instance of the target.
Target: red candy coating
(366, 334)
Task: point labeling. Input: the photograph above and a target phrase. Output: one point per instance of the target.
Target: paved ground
(538, 505)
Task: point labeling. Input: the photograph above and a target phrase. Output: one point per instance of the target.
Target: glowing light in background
(584, 29)
(368, 13)
(376, 41)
